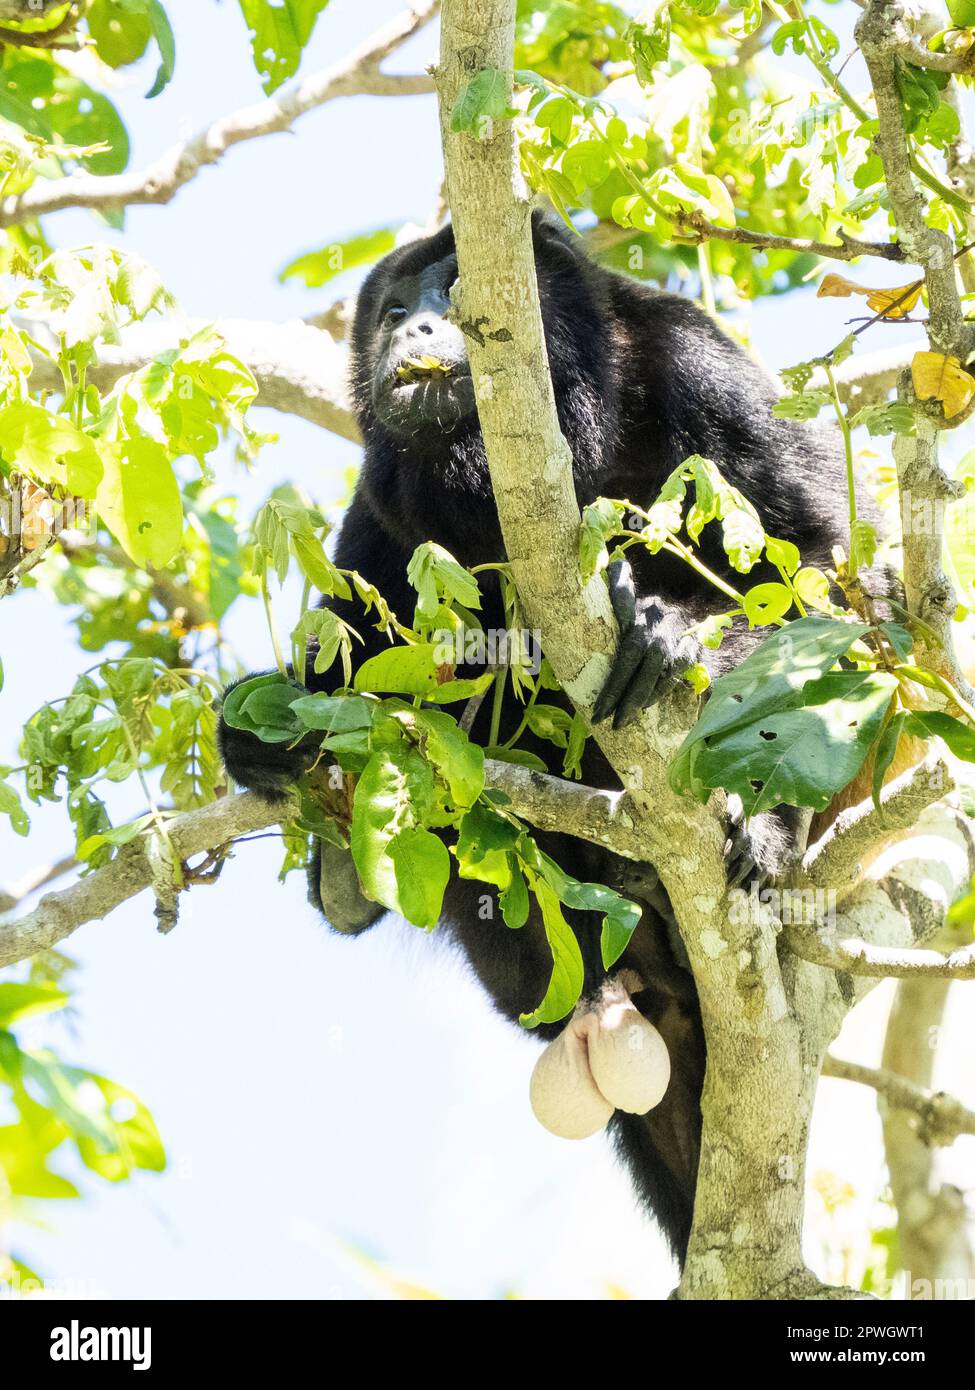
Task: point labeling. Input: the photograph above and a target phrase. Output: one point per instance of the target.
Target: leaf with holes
(770, 680)
(804, 755)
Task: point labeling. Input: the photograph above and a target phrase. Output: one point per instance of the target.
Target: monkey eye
(395, 313)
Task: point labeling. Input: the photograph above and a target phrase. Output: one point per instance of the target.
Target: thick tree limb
(356, 74)
(939, 1118)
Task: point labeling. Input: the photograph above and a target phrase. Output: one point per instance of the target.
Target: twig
(848, 248)
(941, 1117)
(35, 878)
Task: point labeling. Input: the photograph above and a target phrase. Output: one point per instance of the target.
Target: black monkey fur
(642, 380)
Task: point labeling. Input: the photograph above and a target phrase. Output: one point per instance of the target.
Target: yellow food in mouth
(421, 369)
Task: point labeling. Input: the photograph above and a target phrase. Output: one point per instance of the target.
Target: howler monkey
(643, 379)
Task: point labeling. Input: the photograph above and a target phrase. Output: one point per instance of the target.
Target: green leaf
(485, 846)
(766, 603)
(514, 899)
(783, 554)
(519, 756)
(458, 761)
(800, 756)
(120, 29)
(812, 586)
(415, 670)
(620, 916)
(600, 522)
(139, 500)
(863, 544)
(394, 791)
(18, 1001)
(959, 737)
(262, 705)
(10, 805)
(422, 867)
(962, 13)
(771, 678)
(334, 714)
(49, 448)
(402, 670)
(162, 32)
(279, 33)
(316, 268)
(434, 573)
(135, 1141)
(40, 95)
(565, 984)
(484, 99)
(884, 753)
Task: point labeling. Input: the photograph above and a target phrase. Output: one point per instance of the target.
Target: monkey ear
(546, 227)
(556, 245)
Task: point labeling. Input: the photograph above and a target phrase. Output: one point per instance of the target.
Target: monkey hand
(653, 653)
(269, 768)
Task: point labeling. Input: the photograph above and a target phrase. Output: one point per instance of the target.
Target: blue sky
(314, 1092)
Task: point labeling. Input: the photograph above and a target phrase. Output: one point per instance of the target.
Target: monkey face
(421, 377)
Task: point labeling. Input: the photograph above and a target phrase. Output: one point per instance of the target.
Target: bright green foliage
(280, 29)
(54, 1106)
(316, 268)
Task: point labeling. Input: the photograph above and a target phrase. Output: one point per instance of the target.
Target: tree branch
(91, 898)
(932, 1222)
(356, 74)
(21, 888)
(939, 1118)
(836, 860)
(610, 819)
(546, 802)
(878, 34)
(855, 957)
(921, 480)
(696, 226)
